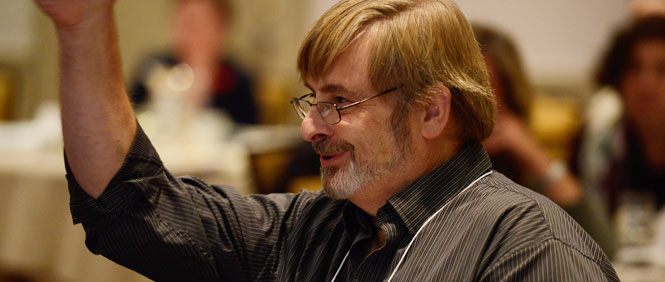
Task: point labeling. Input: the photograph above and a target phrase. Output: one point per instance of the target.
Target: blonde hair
(415, 44)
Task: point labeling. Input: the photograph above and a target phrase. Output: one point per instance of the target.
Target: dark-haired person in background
(200, 29)
(622, 149)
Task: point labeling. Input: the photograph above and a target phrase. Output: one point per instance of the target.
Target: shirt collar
(355, 221)
(418, 201)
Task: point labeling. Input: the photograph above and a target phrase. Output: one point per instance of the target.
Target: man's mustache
(328, 148)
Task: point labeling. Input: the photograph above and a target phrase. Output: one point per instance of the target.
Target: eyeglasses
(328, 111)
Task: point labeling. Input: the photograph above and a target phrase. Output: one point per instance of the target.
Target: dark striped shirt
(181, 229)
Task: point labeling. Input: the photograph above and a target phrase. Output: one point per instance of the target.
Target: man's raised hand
(72, 13)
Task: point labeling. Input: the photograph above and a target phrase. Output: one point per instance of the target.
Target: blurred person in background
(621, 151)
(200, 29)
(515, 151)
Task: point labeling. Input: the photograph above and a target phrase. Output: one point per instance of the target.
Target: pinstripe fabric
(181, 229)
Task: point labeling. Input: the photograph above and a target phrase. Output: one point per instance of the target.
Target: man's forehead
(348, 74)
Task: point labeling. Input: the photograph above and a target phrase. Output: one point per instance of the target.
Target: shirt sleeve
(552, 260)
(590, 213)
(169, 228)
(540, 242)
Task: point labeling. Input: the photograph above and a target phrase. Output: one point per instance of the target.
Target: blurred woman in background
(199, 32)
(515, 151)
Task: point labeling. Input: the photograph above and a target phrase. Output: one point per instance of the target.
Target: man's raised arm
(97, 118)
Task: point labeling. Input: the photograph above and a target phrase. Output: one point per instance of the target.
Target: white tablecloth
(36, 231)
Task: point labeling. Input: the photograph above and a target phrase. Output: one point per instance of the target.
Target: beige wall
(560, 41)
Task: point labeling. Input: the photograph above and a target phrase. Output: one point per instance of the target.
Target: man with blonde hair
(400, 101)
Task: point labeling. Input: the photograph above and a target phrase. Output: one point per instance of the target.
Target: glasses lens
(302, 108)
(328, 112)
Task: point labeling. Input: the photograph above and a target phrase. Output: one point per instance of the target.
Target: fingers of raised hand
(67, 13)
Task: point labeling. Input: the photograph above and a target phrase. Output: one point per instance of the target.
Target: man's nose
(314, 128)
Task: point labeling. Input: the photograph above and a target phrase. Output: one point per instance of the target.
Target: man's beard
(342, 182)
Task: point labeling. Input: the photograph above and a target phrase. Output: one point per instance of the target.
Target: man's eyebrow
(336, 89)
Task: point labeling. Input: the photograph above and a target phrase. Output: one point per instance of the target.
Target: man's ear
(436, 112)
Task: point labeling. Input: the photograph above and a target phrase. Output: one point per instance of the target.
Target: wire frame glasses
(330, 112)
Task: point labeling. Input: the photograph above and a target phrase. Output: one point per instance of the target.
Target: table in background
(36, 231)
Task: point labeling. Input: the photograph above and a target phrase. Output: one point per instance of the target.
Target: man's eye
(340, 101)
